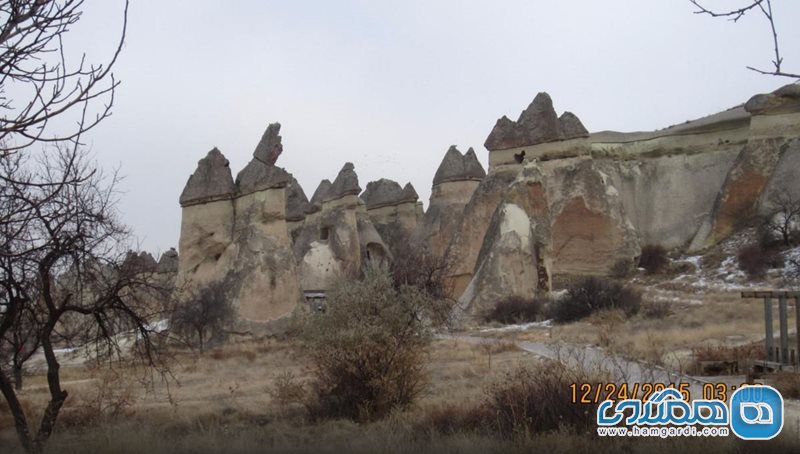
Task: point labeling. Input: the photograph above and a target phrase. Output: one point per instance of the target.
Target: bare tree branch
(765, 6)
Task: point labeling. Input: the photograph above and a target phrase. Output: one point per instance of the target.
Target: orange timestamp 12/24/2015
(594, 393)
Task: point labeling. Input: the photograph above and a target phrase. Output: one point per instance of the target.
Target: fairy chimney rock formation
(393, 210)
(236, 232)
(454, 183)
(538, 133)
(168, 263)
(458, 167)
(211, 180)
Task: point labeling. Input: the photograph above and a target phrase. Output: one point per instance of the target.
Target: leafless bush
(417, 266)
(529, 401)
(590, 294)
(784, 219)
(287, 390)
(621, 269)
(203, 315)
(755, 260)
(656, 309)
(788, 383)
(725, 360)
(112, 396)
(516, 309)
(368, 348)
(653, 259)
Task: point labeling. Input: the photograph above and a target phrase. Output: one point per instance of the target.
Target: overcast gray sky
(390, 85)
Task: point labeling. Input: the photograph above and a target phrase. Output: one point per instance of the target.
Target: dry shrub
(724, 360)
(6, 420)
(621, 269)
(113, 396)
(524, 402)
(592, 294)
(368, 348)
(528, 401)
(202, 315)
(788, 383)
(653, 258)
(515, 309)
(656, 309)
(233, 353)
(287, 390)
(755, 260)
(725, 353)
(453, 419)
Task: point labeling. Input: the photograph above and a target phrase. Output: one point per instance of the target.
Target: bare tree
(418, 266)
(34, 66)
(765, 7)
(22, 342)
(204, 314)
(63, 273)
(784, 219)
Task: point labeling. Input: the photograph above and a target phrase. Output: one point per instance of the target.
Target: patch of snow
(159, 326)
(694, 260)
(519, 327)
(516, 220)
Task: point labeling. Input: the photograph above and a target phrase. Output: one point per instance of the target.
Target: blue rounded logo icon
(756, 412)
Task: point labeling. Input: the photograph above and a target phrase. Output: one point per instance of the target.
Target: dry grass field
(242, 397)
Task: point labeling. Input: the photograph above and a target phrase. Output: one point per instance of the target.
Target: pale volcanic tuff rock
(236, 232)
(458, 167)
(514, 258)
(760, 168)
(393, 211)
(454, 183)
(469, 234)
(590, 227)
(339, 238)
(211, 180)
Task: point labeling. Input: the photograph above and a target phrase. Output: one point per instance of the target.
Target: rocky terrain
(556, 201)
